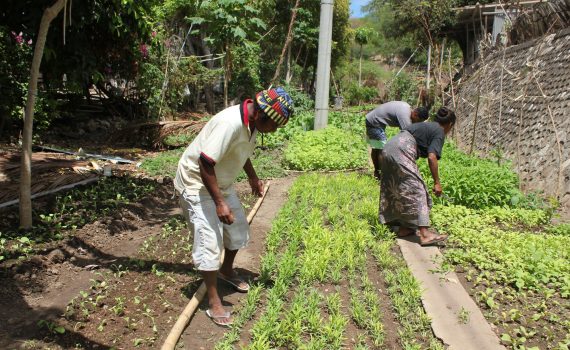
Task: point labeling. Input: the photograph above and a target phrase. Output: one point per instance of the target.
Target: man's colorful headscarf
(277, 104)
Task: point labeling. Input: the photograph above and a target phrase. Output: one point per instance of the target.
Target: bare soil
(119, 282)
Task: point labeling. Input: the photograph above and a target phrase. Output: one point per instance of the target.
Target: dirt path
(201, 333)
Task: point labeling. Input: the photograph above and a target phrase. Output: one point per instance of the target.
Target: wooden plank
(456, 319)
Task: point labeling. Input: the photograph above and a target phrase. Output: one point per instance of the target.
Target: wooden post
(428, 67)
(440, 69)
(476, 117)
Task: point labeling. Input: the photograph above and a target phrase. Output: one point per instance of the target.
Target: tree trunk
(226, 75)
(208, 88)
(287, 42)
(3, 119)
(360, 68)
(304, 82)
(288, 74)
(313, 79)
(440, 84)
(26, 167)
(428, 67)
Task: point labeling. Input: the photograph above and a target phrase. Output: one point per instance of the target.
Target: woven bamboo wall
(521, 96)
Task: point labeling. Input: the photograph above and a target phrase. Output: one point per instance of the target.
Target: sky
(355, 6)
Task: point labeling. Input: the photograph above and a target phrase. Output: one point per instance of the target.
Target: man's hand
(256, 186)
(437, 189)
(224, 213)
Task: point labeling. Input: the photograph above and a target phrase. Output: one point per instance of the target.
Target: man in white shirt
(206, 172)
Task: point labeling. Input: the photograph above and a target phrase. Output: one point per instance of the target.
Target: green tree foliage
(389, 39)
(361, 36)
(101, 37)
(425, 17)
(304, 47)
(139, 44)
(227, 24)
(341, 35)
(426, 20)
(15, 57)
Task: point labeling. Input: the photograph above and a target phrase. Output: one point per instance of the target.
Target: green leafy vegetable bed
(520, 274)
(472, 181)
(327, 149)
(323, 252)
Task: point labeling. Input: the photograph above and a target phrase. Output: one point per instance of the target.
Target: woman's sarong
(404, 198)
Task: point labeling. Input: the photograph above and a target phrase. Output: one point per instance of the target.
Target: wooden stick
(180, 325)
(258, 203)
(554, 129)
(475, 119)
(40, 194)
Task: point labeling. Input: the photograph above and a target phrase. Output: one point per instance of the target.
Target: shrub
(360, 94)
(352, 121)
(562, 229)
(403, 88)
(327, 149)
(15, 61)
(302, 102)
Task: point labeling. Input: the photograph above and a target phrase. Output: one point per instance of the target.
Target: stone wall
(517, 103)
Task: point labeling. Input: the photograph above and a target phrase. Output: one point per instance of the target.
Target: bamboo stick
(180, 325)
(39, 194)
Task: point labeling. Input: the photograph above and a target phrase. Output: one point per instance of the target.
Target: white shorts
(210, 234)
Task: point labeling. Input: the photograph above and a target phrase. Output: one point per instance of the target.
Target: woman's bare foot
(406, 231)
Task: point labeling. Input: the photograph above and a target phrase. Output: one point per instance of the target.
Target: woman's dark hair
(423, 113)
(445, 115)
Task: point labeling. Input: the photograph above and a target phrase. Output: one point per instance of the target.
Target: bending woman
(404, 197)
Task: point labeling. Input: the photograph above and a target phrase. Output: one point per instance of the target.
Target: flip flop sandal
(218, 319)
(235, 281)
(435, 241)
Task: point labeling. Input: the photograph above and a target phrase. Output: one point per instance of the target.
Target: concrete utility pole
(324, 65)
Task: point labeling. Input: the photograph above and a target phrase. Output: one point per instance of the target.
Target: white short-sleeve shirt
(225, 142)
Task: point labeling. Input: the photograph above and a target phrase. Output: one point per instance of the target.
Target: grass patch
(179, 140)
(163, 164)
(267, 164)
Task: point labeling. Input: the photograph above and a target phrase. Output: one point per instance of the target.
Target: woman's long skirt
(404, 198)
